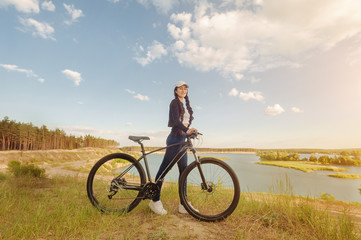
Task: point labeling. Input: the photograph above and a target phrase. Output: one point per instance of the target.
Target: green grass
(346, 176)
(2, 176)
(41, 208)
(302, 166)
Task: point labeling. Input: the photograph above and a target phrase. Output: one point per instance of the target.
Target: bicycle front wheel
(115, 182)
(218, 199)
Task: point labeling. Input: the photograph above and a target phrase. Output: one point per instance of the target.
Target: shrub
(2, 176)
(281, 156)
(18, 170)
(313, 158)
(327, 197)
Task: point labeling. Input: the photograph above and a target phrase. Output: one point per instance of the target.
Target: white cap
(181, 83)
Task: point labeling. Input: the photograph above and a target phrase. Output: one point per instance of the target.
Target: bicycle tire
(223, 198)
(101, 177)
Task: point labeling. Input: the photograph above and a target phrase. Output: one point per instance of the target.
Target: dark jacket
(174, 117)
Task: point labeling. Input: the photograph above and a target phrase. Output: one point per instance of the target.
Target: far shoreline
(225, 152)
(201, 153)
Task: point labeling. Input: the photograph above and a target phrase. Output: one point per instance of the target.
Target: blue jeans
(170, 153)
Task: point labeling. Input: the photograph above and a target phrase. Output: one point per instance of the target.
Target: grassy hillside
(55, 156)
(57, 207)
(42, 208)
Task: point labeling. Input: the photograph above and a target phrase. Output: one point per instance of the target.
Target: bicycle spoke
(222, 193)
(110, 192)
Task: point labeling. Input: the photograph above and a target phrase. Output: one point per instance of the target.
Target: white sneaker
(157, 207)
(182, 210)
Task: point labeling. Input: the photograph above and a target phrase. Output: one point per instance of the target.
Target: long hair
(189, 108)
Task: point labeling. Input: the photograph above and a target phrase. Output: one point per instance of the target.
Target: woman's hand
(192, 130)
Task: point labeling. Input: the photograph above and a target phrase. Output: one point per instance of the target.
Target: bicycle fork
(204, 183)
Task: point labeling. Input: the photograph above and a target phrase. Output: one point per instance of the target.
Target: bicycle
(208, 187)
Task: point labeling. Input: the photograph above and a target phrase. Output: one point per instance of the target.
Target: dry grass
(59, 209)
(347, 176)
(54, 156)
(302, 166)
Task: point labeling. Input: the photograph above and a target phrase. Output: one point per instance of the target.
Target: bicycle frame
(187, 145)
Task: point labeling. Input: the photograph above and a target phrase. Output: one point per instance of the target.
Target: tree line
(345, 158)
(25, 136)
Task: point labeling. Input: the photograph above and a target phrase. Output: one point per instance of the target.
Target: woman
(180, 119)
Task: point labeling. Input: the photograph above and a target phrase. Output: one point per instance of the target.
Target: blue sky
(262, 74)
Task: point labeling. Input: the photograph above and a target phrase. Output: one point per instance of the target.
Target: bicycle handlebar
(194, 135)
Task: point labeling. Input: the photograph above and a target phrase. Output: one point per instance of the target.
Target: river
(260, 178)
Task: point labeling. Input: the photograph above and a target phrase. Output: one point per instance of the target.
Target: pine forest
(25, 136)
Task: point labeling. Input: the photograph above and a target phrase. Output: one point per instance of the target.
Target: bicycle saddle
(138, 138)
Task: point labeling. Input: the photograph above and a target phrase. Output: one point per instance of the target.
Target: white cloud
(253, 79)
(238, 76)
(72, 75)
(155, 51)
(49, 6)
(128, 124)
(130, 91)
(296, 110)
(246, 96)
(162, 6)
(26, 6)
(137, 95)
(274, 110)
(113, 1)
(258, 35)
(251, 95)
(73, 12)
(198, 107)
(206, 46)
(178, 45)
(233, 92)
(141, 97)
(29, 73)
(41, 29)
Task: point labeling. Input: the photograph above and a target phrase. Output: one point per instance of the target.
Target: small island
(324, 162)
(346, 176)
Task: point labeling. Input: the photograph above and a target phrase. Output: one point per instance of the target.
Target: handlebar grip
(193, 133)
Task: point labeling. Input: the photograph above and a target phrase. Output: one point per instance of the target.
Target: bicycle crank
(150, 190)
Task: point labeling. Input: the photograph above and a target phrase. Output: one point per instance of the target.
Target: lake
(260, 178)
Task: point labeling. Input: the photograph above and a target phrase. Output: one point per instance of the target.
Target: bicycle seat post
(145, 160)
(142, 146)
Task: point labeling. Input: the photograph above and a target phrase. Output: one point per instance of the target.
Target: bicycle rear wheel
(110, 189)
(219, 199)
